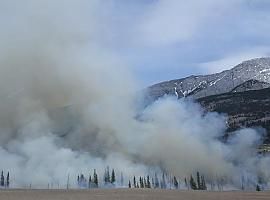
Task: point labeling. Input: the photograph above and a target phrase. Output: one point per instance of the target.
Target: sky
(157, 40)
(169, 39)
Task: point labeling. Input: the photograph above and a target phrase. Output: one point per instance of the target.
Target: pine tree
(186, 184)
(199, 181)
(156, 181)
(192, 183)
(204, 187)
(258, 188)
(113, 177)
(78, 180)
(2, 182)
(129, 184)
(141, 182)
(107, 178)
(148, 184)
(175, 182)
(89, 181)
(163, 182)
(95, 177)
(7, 183)
(134, 182)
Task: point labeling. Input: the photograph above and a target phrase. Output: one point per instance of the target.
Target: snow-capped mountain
(249, 75)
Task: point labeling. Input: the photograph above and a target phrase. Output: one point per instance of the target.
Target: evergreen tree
(258, 188)
(163, 184)
(199, 181)
(156, 181)
(175, 182)
(113, 177)
(78, 180)
(134, 182)
(107, 178)
(141, 182)
(204, 187)
(90, 182)
(95, 177)
(7, 183)
(186, 184)
(148, 184)
(192, 183)
(129, 184)
(2, 182)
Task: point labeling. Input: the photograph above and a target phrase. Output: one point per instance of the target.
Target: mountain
(243, 93)
(244, 109)
(248, 75)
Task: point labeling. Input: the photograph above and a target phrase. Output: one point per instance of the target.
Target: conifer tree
(95, 177)
(141, 182)
(129, 184)
(107, 178)
(7, 183)
(113, 177)
(134, 182)
(186, 184)
(148, 184)
(89, 181)
(175, 182)
(78, 180)
(204, 187)
(2, 182)
(156, 181)
(192, 183)
(258, 188)
(199, 181)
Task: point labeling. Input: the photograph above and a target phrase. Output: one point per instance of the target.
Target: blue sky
(167, 39)
(157, 39)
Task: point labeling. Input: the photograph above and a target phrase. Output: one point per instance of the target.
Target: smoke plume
(68, 105)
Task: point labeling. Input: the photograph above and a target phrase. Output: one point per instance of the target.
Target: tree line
(162, 181)
(4, 182)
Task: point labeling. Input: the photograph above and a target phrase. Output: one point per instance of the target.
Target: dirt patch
(129, 194)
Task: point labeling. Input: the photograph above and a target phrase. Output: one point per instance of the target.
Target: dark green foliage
(199, 184)
(193, 185)
(156, 181)
(175, 183)
(113, 177)
(148, 184)
(134, 182)
(2, 182)
(258, 188)
(7, 183)
(95, 177)
(107, 178)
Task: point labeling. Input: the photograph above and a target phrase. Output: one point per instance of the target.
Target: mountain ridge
(199, 86)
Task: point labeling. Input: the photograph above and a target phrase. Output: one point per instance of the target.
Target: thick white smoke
(69, 105)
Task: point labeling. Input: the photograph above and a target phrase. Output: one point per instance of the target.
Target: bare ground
(128, 194)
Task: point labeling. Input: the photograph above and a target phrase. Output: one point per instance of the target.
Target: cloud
(168, 22)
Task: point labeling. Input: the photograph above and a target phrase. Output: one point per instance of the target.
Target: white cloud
(171, 21)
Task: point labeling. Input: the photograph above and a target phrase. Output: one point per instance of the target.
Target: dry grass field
(128, 194)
